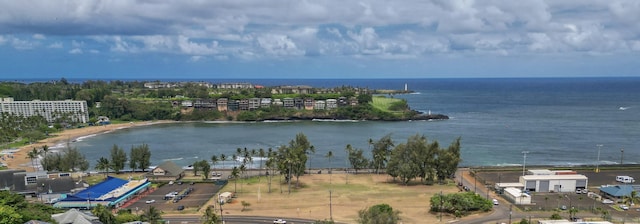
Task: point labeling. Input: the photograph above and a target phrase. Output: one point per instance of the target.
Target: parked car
(150, 201)
(180, 207)
(607, 201)
(495, 202)
(624, 207)
(279, 221)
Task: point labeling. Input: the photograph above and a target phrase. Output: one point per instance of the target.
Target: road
(233, 219)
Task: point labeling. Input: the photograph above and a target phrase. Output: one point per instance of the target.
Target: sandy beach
(19, 160)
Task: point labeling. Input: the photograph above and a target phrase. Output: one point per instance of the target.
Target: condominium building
(50, 110)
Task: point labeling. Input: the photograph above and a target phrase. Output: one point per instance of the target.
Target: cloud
(75, 51)
(55, 45)
(39, 36)
(256, 29)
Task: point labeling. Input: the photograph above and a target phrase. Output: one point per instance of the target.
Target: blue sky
(149, 39)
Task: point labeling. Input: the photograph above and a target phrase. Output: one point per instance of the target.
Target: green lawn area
(384, 103)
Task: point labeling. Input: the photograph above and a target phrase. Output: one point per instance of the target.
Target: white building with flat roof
(554, 183)
(50, 110)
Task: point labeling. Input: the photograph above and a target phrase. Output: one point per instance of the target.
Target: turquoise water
(559, 121)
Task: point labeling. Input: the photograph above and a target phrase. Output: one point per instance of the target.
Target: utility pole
(598, 164)
(510, 212)
(621, 155)
(330, 209)
(220, 202)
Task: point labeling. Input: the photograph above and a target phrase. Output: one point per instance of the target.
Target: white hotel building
(48, 109)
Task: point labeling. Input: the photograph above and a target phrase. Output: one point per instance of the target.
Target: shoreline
(18, 159)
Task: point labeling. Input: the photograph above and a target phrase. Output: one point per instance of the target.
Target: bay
(559, 121)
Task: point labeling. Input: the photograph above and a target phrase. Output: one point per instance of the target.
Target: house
(222, 104)
(73, 216)
(308, 103)
(166, 171)
(618, 192)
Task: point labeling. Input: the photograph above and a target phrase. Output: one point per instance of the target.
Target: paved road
(233, 220)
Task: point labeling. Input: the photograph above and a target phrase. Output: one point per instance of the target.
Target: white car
(279, 221)
(150, 201)
(495, 202)
(624, 207)
(607, 201)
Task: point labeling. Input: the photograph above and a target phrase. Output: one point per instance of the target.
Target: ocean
(557, 121)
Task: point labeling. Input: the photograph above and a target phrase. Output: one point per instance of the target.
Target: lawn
(384, 103)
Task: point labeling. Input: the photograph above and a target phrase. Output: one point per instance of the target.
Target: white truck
(625, 179)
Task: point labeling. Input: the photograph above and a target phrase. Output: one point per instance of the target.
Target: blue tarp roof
(101, 188)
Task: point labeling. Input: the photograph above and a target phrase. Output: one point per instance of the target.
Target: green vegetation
(460, 204)
(15, 209)
(379, 214)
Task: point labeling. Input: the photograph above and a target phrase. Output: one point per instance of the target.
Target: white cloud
(55, 45)
(281, 45)
(75, 51)
(195, 58)
(259, 29)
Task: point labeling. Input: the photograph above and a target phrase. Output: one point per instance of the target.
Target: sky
(233, 39)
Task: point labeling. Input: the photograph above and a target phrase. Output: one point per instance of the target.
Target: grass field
(384, 103)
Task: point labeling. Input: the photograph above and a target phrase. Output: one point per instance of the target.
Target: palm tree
(45, 149)
(261, 154)
(152, 215)
(214, 160)
(312, 150)
(32, 155)
(223, 158)
(329, 156)
(633, 197)
(235, 174)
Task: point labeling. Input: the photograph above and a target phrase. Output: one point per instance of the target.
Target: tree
(245, 205)
(206, 169)
(73, 160)
(210, 217)
(381, 152)
(223, 158)
(214, 161)
(262, 155)
(329, 156)
(356, 158)
(33, 155)
(45, 150)
(151, 215)
(103, 164)
(104, 214)
(235, 173)
(378, 214)
(9, 215)
(118, 158)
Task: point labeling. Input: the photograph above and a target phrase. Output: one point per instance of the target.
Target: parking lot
(557, 201)
(199, 194)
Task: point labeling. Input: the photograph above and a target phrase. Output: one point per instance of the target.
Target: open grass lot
(350, 193)
(383, 103)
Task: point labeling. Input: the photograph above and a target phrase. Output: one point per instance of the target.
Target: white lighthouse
(406, 87)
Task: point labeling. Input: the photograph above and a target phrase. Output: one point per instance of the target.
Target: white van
(625, 179)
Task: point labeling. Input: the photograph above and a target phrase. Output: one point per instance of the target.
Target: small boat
(623, 108)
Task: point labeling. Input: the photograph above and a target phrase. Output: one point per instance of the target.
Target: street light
(598, 164)
(621, 155)
(524, 163)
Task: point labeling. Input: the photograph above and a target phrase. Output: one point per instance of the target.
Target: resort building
(50, 110)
